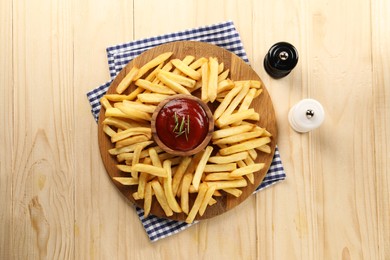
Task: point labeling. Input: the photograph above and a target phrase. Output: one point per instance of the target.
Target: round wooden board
(239, 70)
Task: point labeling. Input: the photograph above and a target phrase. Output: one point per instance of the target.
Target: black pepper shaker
(280, 59)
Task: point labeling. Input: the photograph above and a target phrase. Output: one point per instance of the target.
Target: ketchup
(182, 124)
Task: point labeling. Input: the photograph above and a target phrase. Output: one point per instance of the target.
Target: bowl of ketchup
(182, 125)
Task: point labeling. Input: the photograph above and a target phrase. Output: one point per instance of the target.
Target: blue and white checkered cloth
(223, 35)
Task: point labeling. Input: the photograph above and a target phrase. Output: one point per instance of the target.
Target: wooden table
(335, 201)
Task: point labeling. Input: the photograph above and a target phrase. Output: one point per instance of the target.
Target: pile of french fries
(224, 168)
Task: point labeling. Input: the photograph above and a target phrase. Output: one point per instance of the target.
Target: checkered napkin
(223, 35)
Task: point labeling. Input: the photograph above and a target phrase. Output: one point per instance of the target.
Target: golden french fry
(264, 148)
(133, 113)
(247, 169)
(186, 69)
(212, 201)
(234, 191)
(198, 63)
(220, 176)
(236, 117)
(109, 131)
(105, 103)
(225, 85)
(213, 79)
(220, 67)
(126, 81)
(220, 167)
(177, 178)
(156, 88)
(153, 98)
(245, 146)
(168, 188)
(126, 180)
(160, 196)
(148, 199)
(199, 169)
(119, 123)
(239, 137)
(137, 153)
(131, 132)
(187, 60)
(185, 186)
(235, 130)
(153, 170)
(250, 177)
(205, 81)
(184, 81)
(236, 101)
(207, 197)
(225, 103)
(153, 63)
(131, 140)
(154, 157)
(252, 153)
(229, 158)
(129, 148)
(223, 76)
(139, 106)
(152, 75)
(219, 185)
(198, 201)
(172, 84)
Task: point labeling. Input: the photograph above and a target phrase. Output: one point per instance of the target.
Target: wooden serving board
(239, 70)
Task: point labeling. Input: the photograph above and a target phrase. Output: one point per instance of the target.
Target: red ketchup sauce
(188, 114)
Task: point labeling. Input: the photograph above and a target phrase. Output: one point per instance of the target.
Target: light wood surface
(239, 70)
(57, 202)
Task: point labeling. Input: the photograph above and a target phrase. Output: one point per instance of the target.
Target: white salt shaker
(306, 115)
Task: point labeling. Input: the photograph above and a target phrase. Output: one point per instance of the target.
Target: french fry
(236, 101)
(154, 157)
(247, 169)
(252, 153)
(235, 130)
(160, 196)
(126, 81)
(225, 103)
(205, 81)
(152, 75)
(168, 188)
(126, 180)
(187, 60)
(225, 85)
(173, 84)
(199, 169)
(233, 191)
(139, 106)
(131, 132)
(223, 76)
(109, 131)
(213, 79)
(186, 69)
(153, 170)
(198, 201)
(148, 199)
(219, 185)
(220, 167)
(184, 81)
(131, 140)
(220, 176)
(264, 148)
(198, 63)
(105, 103)
(133, 113)
(177, 178)
(207, 197)
(239, 137)
(129, 148)
(156, 88)
(137, 153)
(153, 98)
(153, 63)
(245, 146)
(236, 117)
(119, 123)
(230, 158)
(185, 185)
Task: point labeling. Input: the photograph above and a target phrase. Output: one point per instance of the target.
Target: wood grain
(335, 201)
(238, 71)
